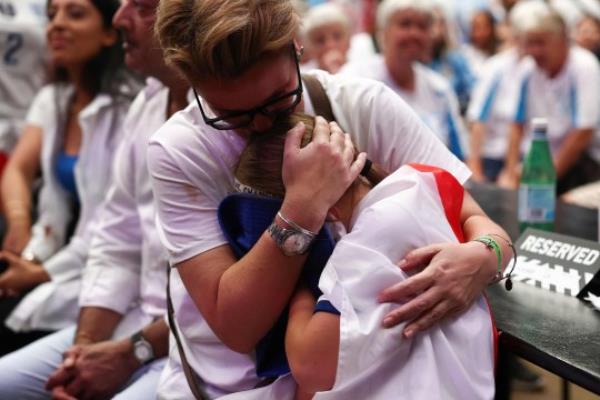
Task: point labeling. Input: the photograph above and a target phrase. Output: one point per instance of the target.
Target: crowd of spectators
(121, 126)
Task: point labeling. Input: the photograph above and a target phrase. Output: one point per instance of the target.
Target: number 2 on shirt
(14, 42)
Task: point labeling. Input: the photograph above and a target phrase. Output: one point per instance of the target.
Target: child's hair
(260, 165)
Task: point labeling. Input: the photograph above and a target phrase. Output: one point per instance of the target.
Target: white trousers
(24, 372)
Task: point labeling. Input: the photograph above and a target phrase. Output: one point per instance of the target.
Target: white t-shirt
(452, 360)
(492, 102)
(433, 99)
(361, 47)
(568, 101)
(127, 264)
(192, 168)
(22, 63)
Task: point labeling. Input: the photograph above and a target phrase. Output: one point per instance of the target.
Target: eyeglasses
(280, 106)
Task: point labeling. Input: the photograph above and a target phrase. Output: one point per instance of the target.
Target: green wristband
(491, 244)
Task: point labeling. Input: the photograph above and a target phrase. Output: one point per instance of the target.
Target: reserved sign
(559, 263)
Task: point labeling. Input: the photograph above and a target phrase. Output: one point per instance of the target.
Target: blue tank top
(65, 172)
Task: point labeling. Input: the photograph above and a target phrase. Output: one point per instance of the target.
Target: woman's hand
(21, 275)
(316, 176)
(452, 276)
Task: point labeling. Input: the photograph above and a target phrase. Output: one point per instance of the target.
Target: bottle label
(537, 202)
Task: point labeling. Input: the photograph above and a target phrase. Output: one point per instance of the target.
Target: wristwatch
(142, 349)
(293, 240)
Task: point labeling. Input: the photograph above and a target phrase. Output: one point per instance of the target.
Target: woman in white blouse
(73, 128)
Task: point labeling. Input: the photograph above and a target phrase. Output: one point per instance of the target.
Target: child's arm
(312, 343)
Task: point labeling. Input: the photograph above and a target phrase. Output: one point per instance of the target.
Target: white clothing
(361, 47)
(53, 305)
(309, 66)
(25, 371)
(433, 98)
(452, 360)
(22, 63)
(192, 168)
(585, 196)
(492, 102)
(568, 101)
(475, 58)
(127, 264)
(173, 384)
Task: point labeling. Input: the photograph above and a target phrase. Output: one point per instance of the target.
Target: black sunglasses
(278, 107)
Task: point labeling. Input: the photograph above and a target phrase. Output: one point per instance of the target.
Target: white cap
(590, 7)
(539, 124)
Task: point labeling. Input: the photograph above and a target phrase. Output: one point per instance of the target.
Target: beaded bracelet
(508, 285)
(491, 244)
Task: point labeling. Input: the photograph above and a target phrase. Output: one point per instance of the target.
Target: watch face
(142, 351)
(296, 243)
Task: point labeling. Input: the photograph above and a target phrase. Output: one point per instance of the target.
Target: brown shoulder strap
(190, 376)
(318, 97)
(373, 172)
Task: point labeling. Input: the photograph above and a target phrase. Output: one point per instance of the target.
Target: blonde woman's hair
(260, 165)
(221, 39)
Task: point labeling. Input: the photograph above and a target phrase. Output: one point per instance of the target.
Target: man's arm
(509, 176)
(242, 300)
(95, 325)
(571, 149)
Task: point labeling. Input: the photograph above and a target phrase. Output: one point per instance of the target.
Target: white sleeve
(48, 233)
(483, 95)
(587, 96)
(391, 133)
(68, 263)
(112, 273)
(187, 192)
(42, 104)
(521, 92)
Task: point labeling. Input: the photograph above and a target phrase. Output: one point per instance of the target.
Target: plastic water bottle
(537, 191)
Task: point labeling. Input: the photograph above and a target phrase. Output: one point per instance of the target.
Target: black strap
(194, 381)
(318, 97)
(190, 376)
